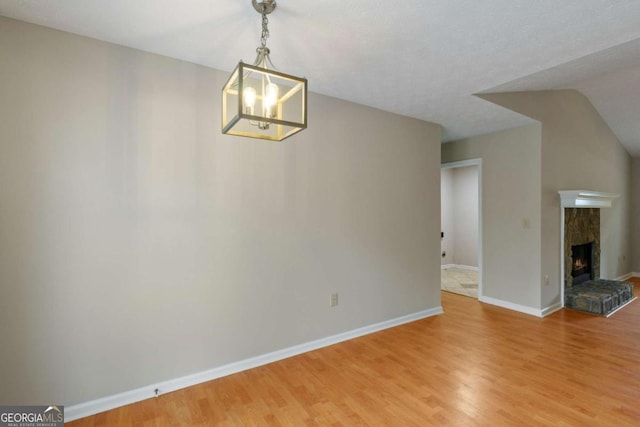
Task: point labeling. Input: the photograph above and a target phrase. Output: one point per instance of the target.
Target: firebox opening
(581, 263)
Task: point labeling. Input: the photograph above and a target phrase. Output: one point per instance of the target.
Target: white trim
(480, 228)
(562, 278)
(466, 267)
(550, 310)
(624, 277)
(461, 267)
(511, 306)
(622, 306)
(634, 274)
(461, 164)
(474, 162)
(85, 409)
(586, 199)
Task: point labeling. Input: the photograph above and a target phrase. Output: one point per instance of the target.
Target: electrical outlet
(333, 301)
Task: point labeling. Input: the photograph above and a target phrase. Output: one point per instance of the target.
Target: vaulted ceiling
(419, 58)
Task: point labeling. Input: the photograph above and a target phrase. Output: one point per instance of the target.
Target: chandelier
(258, 101)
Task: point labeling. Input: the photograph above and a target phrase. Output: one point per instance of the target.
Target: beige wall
(510, 194)
(579, 152)
(465, 194)
(459, 198)
(138, 244)
(447, 243)
(635, 216)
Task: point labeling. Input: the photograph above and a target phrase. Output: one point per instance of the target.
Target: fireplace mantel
(586, 199)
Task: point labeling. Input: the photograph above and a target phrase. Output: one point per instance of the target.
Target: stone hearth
(601, 297)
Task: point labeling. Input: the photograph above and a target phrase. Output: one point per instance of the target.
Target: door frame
(478, 163)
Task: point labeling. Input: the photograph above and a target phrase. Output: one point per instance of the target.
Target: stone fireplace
(582, 288)
(581, 245)
(580, 225)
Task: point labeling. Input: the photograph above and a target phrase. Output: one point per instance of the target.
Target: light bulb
(270, 99)
(249, 99)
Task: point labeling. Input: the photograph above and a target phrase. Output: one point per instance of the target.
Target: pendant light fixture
(260, 102)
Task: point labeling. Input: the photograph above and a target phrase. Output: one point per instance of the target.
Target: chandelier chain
(265, 30)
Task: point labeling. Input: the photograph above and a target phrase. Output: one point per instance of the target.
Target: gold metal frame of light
(239, 119)
(260, 102)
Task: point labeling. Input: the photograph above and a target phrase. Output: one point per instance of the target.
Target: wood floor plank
(474, 365)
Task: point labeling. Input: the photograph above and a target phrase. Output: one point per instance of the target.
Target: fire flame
(579, 264)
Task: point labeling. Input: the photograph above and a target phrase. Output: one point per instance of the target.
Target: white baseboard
(625, 277)
(460, 266)
(634, 274)
(73, 412)
(551, 309)
(622, 306)
(523, 308)
(512, 306)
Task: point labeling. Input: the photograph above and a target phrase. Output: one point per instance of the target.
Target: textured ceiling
(419, 58)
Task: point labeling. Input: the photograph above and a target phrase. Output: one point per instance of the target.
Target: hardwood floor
(474, 365)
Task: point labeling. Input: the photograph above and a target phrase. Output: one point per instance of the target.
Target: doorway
(461, 230)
